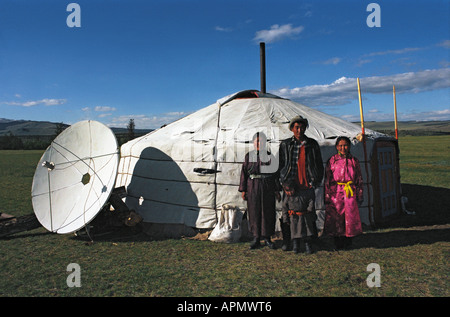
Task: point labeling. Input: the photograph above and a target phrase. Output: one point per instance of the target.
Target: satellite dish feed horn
(75, 177)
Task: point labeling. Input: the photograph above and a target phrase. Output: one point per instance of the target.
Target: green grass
(425, 160)
(412, 252)
(16, 177)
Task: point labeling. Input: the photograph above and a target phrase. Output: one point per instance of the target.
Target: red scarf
(301, 169)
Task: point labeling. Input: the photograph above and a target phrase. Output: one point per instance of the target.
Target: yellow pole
(365, 152)
(361, 109)
(395, 115)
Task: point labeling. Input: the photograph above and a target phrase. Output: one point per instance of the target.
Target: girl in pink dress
(343, 194)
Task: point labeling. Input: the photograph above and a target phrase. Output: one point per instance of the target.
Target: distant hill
(410, 127)
(26, 128)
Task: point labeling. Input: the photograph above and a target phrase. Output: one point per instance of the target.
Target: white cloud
(45, 102)
(277, 33)
(401, 116)
(223, 29)
(104, 108)
(426, 115)
(364, 58)
(399, 51)
(236, 27)
(344, 90)
(175, 114)
(361, 62)
(332, 61)
(445, 44)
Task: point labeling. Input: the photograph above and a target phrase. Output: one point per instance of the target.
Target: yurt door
(387, 181)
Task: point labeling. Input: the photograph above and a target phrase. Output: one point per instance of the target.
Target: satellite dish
(75, 177)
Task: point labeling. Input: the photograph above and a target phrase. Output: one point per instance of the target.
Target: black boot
(308, 248)
(269, 243)
(347, 243)
(338, 243)
(255, 243)
(286, 246)
(286, 232)
(296, 247)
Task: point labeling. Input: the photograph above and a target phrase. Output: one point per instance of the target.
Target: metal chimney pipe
(262, 57)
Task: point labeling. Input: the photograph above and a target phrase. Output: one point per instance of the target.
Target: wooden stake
(361, 109)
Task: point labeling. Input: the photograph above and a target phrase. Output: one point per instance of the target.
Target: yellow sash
(347, 188)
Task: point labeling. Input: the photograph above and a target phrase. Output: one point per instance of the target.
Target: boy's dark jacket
(313, 164)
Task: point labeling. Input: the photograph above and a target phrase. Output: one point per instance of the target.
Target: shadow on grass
(429, 224)
(430, 204)
(402, 238)
(29, 234)
(392, 239)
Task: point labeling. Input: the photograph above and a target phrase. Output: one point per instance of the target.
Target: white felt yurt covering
(186, 171)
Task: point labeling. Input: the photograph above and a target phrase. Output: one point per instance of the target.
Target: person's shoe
(308, 248)
(255, 244)
(296, 246)
(338, 243)
(347, 243)
(286, 246)
(286, 232)
(270, 244)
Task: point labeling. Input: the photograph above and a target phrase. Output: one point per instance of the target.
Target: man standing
(300, 164)
(259, 187)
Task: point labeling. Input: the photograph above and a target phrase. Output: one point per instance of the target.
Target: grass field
(425, 160)
(412, 251)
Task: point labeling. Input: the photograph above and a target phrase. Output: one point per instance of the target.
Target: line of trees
(11, 142)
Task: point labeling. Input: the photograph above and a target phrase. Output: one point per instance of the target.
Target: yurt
(182, 176)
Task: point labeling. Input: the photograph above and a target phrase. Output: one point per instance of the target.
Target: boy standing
(299, 212)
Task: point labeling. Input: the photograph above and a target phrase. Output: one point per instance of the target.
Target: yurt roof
(279, 111)
(249, 109)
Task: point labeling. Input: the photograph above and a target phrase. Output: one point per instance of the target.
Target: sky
(156, 61)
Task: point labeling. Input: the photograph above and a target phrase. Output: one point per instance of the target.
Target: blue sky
(156, 61)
